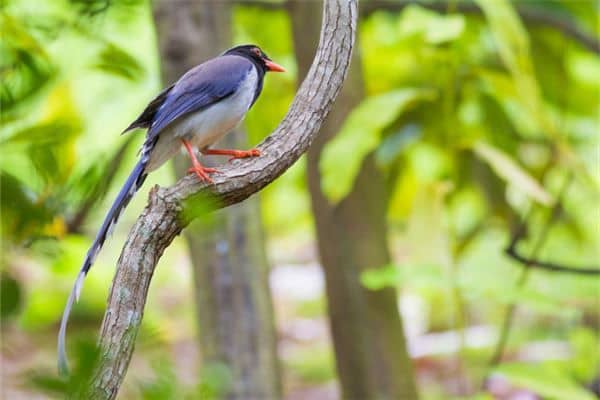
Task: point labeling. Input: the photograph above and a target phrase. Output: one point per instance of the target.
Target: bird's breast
(207, 126)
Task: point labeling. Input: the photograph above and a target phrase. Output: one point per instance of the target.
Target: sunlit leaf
(511, 37)
(115, 60)
(361, 134)
(313, 365)
(50, 144)
(509, 170)
(421, 276)
(74, 385)
(23, 214)
(586, 360)
(429, 163)
(501, 87)
(215, 380)
(427, 230)
(546, 380)
(445, 28)
(25, 68)
(435, 28)
(164, 385)
(585, 68)
(513, 46)
(379, 278)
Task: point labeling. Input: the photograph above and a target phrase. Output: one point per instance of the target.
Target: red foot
(233, 153)
(202, 172)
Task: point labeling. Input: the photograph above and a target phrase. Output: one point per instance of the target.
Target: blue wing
(145, 119)
(202, 86)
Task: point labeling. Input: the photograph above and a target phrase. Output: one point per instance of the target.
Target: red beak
(271, 66)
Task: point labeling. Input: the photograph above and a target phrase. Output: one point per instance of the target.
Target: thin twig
(522, 280)
(550, 266)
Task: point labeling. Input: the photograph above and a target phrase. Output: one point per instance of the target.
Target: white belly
(204, 127)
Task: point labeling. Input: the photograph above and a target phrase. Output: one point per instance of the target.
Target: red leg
(233, 153)
(197, 168)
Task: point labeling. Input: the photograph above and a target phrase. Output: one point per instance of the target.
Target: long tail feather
(131, 186)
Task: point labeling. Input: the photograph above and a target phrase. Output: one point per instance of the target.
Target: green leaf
(379, 278)
(421, 276)
(215, 380)
(116, 61)
(503, 88)
(509, 34)
(396, 143)
(164, 385)
(11, 296)
(435, 28)
(546, 380)
(513, 45)
(24, 214)
(445, 29)
(509, 170)
(584, 67)
(426, 228)
(25, 68)
(313, 365)
(87, 355)
(586, 347)
(361, 134)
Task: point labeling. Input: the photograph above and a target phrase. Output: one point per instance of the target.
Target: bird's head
(256, 55)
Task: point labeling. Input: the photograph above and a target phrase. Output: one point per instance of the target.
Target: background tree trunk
(371, 355)
(231, 289)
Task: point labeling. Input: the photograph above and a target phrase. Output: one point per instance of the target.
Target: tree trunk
(371, 355)
(231, 289)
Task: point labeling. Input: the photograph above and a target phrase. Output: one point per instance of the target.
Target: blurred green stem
(524, 276)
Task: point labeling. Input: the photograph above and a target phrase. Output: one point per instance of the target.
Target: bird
(205, 104)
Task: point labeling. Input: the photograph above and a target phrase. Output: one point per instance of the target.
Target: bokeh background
(463, 127)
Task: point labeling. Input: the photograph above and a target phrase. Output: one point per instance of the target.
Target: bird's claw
(202, 173)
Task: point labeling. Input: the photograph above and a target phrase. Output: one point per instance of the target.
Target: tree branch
(550, 266)
(508, 319)
(162, 219)
(532, 262)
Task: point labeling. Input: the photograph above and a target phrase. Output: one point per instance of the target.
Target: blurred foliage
(313, 365)
(74, 385)
(361, 134)
(11, 296)
(477, 119)
(548, 380)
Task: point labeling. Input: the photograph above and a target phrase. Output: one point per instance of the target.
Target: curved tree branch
(162, 218)
(550, 266)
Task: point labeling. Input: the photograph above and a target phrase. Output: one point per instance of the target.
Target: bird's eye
(257, 51)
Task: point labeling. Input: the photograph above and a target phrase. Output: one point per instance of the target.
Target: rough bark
(233, 300)
(368, 338)
(169, 209)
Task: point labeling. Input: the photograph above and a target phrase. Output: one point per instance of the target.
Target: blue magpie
(206, 103)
